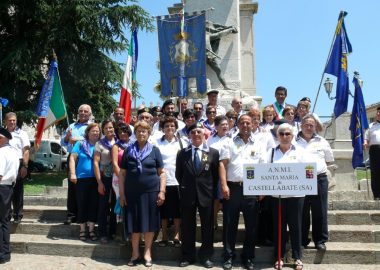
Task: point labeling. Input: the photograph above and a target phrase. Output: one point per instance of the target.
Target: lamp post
(328, 84)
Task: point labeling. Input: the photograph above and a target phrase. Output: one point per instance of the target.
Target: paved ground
(43, 262)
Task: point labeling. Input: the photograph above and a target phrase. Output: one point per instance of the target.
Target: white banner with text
(286, 179)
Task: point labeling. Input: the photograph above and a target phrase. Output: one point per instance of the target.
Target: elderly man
(21, 142)
(74, 133)
(197, 175)
(212, 97)
(237, 105)
(318, 150)
(242, 148)
(9, 165)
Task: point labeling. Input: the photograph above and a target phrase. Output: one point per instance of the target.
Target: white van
(50, 153)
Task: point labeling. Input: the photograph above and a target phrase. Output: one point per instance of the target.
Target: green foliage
(81, 33)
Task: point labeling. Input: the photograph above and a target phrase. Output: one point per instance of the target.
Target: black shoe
(70, 220)
(208, 263)
(321, 246)
(227, 265)
(2, 261)
(306, 243)
(17, 221)
(184, 263)
(248, 264)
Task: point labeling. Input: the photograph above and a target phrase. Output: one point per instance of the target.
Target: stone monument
(232, 66)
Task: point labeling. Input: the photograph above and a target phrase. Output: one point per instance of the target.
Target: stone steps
(45, 262)
(342, 252)
(335, 217)
(51, 200)
(357, 195)
(338, 233)
(354, 224)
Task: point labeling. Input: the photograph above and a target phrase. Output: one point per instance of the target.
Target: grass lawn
(42, 179)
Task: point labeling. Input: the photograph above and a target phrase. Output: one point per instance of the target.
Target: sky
(292, 42)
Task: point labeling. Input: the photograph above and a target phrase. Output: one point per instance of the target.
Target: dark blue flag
(358, 125)
(337, 65)
(182, 53)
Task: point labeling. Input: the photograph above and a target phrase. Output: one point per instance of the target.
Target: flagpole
(328, 57)
(1, 114)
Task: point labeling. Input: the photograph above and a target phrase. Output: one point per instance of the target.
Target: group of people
(167, 165)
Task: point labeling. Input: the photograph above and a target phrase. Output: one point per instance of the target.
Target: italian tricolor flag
(129, 77)
(51, 106)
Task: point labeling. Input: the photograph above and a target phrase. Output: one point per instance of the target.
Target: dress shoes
(5, 260)
(184, 263)
(321, 247)
(227, 265)
(208, 263)
(248, 264)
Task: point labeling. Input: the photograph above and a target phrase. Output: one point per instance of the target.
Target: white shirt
(372, 134)
(293, 155)
(237, 152)
(9, 163)
(318, 150)
(217, 142)
(265, 138)
(169, 150)
(19, 140)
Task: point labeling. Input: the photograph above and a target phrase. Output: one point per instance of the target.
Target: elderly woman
(142, 190)
(292, 206)
(82, 175)
(289, 114)
(169, 146)
(103, 173)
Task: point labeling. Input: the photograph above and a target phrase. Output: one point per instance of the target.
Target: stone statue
(214, 33)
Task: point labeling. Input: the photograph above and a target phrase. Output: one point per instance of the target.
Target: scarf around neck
(86, 148)
(140, 155)
(106, 143)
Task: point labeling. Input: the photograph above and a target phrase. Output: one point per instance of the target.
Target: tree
(82, 33)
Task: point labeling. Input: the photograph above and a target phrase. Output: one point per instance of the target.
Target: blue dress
(141, 192)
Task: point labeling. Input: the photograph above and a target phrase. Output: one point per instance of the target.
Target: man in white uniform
(21, 142)
(9, 165)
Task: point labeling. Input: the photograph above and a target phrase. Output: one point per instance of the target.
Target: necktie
(197, 160)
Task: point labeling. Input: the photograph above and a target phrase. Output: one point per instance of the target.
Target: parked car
(49, 154)
(40, 166)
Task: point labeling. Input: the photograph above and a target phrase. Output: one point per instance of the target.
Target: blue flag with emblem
(182, 53)
(359, 123)
(337, 65)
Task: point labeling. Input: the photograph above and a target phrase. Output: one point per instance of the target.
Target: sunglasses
(285, 133)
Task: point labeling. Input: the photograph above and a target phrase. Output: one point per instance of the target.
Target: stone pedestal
(342, 148)
(341, 132)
